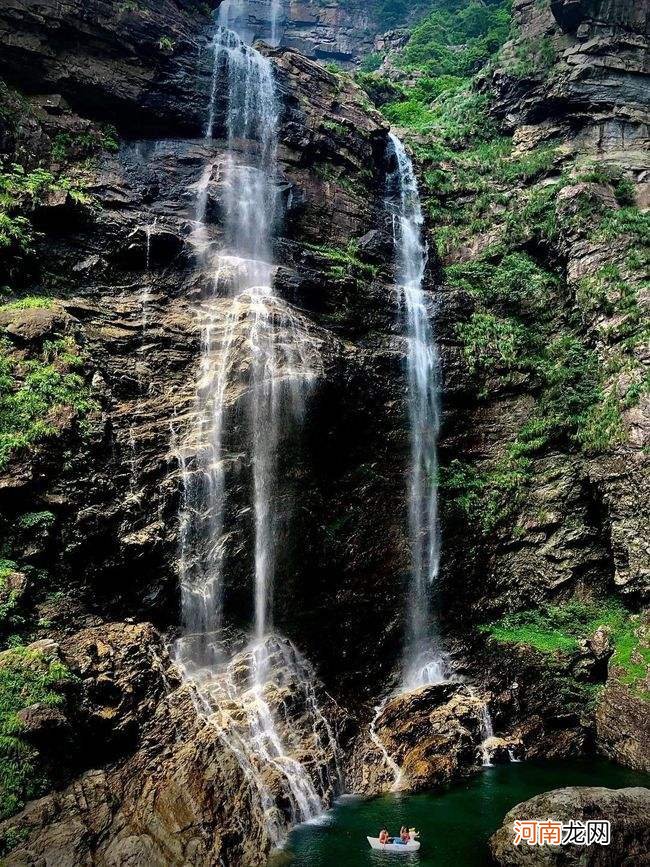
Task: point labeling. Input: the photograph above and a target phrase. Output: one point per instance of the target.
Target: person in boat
(384, 836)
(404, 835)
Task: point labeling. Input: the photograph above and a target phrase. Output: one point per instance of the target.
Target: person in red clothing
(384, 836)
(404, 835)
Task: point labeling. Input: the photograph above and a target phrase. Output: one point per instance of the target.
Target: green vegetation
(166, 44)
(27, 677)
(11, 838)
(573, 409)
(457, 117)
(19, 184)
(486, 497)
(393, 13)
(333, 126)
(502, 212)
(33, 391)
(343, 262)
(30, 302)
(516, 283)
(559, 629)
(457, 37)
(20, 191)
(491, 342)
(10, 619)
(30, 520)
(531, 58)
(15, 232)
(68, 146)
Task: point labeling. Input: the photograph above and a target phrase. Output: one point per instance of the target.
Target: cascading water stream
(259, 354)
(487, 732)
(424, 661)
(276, 12)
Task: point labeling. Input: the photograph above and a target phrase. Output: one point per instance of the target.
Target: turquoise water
(454, 824)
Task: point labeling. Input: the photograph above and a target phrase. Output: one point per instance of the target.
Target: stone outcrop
(90, 512)
(626, 809)
(421, 739)
(596, 95)
(147, 778)
(130, 293)
(622, 726)
(342, 32)
(173, 792)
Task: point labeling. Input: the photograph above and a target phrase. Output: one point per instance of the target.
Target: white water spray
(276, 12)
(257, 354)
(487, 732)
(424, 660)
(391, 764)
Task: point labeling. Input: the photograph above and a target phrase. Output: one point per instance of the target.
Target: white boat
(398, 848)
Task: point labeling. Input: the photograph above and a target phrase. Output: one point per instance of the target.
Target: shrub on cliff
(27, 677)
(33, 391)
(557, 629)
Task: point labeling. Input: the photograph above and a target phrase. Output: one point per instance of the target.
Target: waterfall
(424, 661)
(389, 762)
(258, 360)
(276, 11)
(487, 732)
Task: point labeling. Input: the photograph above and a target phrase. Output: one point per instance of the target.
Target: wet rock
(179, 795)
(600, 644)
(40, 723)
(123, 674)
(497, 750)
(622, 725)
(626, 809)
(423, 739)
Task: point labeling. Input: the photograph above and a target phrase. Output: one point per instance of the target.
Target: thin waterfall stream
(259, 356)
(424, 659)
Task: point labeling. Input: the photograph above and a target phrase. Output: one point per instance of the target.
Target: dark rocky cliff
(101, 132)
(103, 146)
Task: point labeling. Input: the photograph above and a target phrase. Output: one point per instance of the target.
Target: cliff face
(103, 149)
(556, 509)
(579, 525)
(122, 271)
(102, 138)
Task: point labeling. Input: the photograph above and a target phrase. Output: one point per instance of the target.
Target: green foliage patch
(27, 677)
(559, 629)
(457, 37)
(22, 190)
(342, 262)
(30, 302)
(31, 392)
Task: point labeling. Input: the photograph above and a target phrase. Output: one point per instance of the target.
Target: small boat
(397, 848)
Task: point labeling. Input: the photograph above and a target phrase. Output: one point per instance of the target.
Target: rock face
(626, 809)
(420, 740)
(340, 32)
(131, 290)
(173, 792)
(91, 509)
(111, 97)
(622, 726)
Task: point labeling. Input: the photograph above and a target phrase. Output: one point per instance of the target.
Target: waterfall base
(424, 738)
(265, 709)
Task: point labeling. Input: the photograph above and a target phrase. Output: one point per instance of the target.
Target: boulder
(622, 730)
(421, 739)
(34, 324)
(626, 809)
